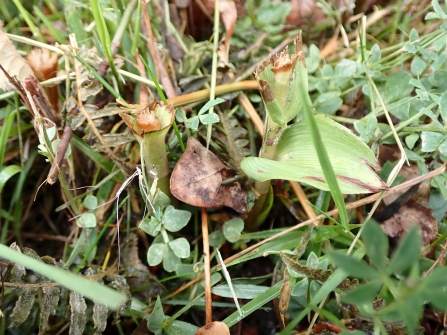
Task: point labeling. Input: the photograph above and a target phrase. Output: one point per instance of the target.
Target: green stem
(155, 157)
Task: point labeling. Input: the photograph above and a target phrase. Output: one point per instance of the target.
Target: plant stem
(206, 262)
(155, 157)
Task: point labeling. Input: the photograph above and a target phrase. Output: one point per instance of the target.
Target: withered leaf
(197, 180)
(317, 274)
(12, 62)
(284, 296)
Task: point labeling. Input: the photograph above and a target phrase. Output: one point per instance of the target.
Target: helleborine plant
(150, 125)
(296, 159)
(295, 153)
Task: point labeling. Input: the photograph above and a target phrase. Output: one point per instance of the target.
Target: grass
(382, 75)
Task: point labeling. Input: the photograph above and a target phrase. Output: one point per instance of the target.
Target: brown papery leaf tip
(214, 328)
(43, 63)
(147, 121)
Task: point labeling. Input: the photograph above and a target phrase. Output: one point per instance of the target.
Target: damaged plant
(328, 156)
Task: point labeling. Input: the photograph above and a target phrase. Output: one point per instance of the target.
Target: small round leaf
(90, 202)
(156, 253)
(232, 229)
(86, 220)
(180, 247)
(175, 219)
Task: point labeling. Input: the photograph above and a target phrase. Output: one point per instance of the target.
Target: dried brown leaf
(316, 274)
(284, 296)
(197, 180)
(12, 62)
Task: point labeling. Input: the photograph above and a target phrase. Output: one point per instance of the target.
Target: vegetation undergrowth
(231, 165)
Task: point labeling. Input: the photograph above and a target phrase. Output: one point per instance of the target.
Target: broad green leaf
(90, 202)
(438, 9)
(376, 244)
(365, 293)
(232, 229)
(210, 104)
(170, 260)
(180, 247)
(411, 139)
(356, 268)
(434, 288)
(89, 289)
(209, 118)
(150, 226)
(155, 253)
(352, 160)
(155, 322)
(312, 260)
(418, 66)
(407, 252)
(313, 61)
(431, 141)
(86, 220)
(192, 123)
(397, 86)
(175, 219)
(177, 327)
(7, 173)
(375, 54)
(242, 291)
(328, 102)
(300, 288)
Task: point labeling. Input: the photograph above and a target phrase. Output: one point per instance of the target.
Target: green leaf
(443, 107)
(328, 102)
(155, 322)
(161, 200)
(242, 291)
(209, 118)
(89, 289)
(86, 220)
(376, 244)
(210, 104)
(232, 229)
(312, 260)
(7, 173)
(313, 61)
(300, 288)
(356, 268)
(438, 9)
(418, 66)
(397, 86)
(407, 252)
(150, 226)
(411, 139)
(192, 123)
(177, 327)
(170, 260)
(350, 158)
(434, 288)
(375, 54)
(431, 141)
(255, 304)
(346, 68)
(180, 247)
(90, 202)
(363, 294)
(156, 253)
(175, 219)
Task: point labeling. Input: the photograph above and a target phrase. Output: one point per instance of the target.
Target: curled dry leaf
(214, 328)
(284, 296)
(12, 62)
(197, 180)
